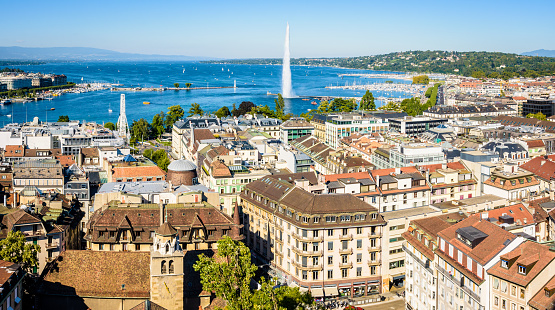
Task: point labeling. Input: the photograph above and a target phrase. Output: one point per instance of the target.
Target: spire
(123, 127)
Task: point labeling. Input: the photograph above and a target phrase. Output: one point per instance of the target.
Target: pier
(166, 88)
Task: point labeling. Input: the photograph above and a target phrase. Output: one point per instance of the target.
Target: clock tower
(166, 268)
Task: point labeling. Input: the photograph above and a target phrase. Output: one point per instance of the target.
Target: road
(398, 304)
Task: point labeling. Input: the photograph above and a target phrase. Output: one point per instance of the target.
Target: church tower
(123, 126)
(166, 268)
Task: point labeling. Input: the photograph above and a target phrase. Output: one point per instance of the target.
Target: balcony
(308, 239)
(35, 233)
(49, 259)
(345, 265)
(346, 251)
(375, 248)
(374, 262)
(457, 283)
(50, 246)
(307, 266)
(375, 234)
(346, 237)
(312, 253)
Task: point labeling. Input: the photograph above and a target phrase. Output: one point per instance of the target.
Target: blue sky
(245, 29)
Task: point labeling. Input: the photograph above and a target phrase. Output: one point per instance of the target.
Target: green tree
(176, 85)
(175, 113)
(244, 108)
(63, 118)
(367, 101)
(158, 124)
(110, 126)
(228, 275)
(140, 130)
(15, 248)
(421, 79)
(540, 116)
(148, 153)
(478, 74)
(195, 110)
(343, 105)
(188, 85)
(324, 106)
(391, 106)
(223, 112)
(280, 106)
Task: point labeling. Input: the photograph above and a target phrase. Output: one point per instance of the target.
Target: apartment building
(399, 189)
(413, 126)
(340, 126)
(11, 285)
(451, 181)
(419, 247)
(316, 150)
(466, 251)
(408, 154)
(511, 182)
(295, 128)
(131, 226)
(329, 244)
(519, 275)
(42, 174)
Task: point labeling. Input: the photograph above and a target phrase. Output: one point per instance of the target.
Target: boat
(305, 99)
(5, 102)
(313, 103)
(52, 109)
(146, 102)
(8, 115)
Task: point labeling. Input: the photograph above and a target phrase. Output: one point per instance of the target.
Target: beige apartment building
(330, 244)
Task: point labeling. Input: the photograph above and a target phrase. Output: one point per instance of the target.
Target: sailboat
(183, 70)
(109, 107)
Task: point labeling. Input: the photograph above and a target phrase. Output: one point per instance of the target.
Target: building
(315, 150)
(534, 106)
(520, 275)
(11, 285)
(415, 154)
(295, 128)
(451, 181)
(544, 169)
(420, 244)
(465, 111)
(132, 226)
(6, 185)
(466, 251)
(398, 189)
(344, 162)
(341, 125)
(46, 175)
(329, 243)
(512, 183)
(130, 169)
(413, 126)
(182, 172)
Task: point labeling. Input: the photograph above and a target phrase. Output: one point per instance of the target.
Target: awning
(317, 292)
(331, 291)
(303, 289)
(401, 277)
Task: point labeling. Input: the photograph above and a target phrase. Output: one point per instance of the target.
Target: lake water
(253, 83)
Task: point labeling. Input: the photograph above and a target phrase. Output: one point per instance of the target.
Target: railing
(49, 259)
(308, 239)
(307, 266)
(377, 261)
(346, 237)
(345, 265)
(52, 245)
(35, 233)
(375, 248)
(345, 251)
(374, 234)
(314, 253)
(457, 282)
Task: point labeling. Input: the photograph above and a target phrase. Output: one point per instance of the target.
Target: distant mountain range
(541, 53)
(81, 53)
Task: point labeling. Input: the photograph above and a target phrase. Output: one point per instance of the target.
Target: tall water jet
(286, 88)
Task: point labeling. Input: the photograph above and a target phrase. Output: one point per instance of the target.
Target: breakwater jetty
(166, 88)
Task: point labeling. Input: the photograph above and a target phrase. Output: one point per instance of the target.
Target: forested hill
(477, 64)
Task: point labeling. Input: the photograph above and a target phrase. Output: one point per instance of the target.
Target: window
(314, 275)
(359, 271)
(504, 264)
(496, 301)
(359, 258)
(316, 220)
(163, 267)
(315, 234)
(521, 269)
(330, 246)
(513, 290)
(330, 232)
(330, 260)
(359, 230)
(503, 286)
(495, 283)
(344, 273)
(522, 292)
(137, 247)
(345, 231)
(330, 274)
(359, 244)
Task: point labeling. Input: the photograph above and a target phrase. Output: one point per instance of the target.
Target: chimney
(397, 170)
(443, 166)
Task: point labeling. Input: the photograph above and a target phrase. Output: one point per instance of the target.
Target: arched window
(170, 266)
(163, 269)
(167, 248)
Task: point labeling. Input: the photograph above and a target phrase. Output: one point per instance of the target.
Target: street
(397, 304)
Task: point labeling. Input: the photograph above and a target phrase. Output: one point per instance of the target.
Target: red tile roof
(541, 301)
(519, 212)
(14, 151)
(487, 248)
(137, 171)
(540, 166)
(380, 172)
(535, 143)
(356, 175)
(454, 165)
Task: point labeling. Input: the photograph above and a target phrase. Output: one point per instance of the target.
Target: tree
(158, 124)
(188, 85)
(195, 110)
(140, 130)
(280, 106)
(539, 116)
(229, 274)
(16, 249)
(324, 106)
(391, 106)
(110, 126)
(63, 118)
(176, 85)
(175, 113)
(244, 108)
(367, 101)
(421, 79)
(223, 112)
(343, 105)
(148, 153)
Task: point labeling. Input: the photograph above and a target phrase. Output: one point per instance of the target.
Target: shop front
(345, 290)
(359, 289)
(373, 287)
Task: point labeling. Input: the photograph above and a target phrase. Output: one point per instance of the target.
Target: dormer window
(505, 264)
(521, 269)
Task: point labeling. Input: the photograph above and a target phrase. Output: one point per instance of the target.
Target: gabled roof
(541, 166)
(167, 229)
(531, 255)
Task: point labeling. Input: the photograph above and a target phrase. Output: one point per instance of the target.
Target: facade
(329, 243)
(534, 106)
(11, 285)
(465, 253)
(415, 154)
(314, 149)
(512, 183)
(451, 181)
(419, 247)
(43, 174)
(295, 128)
(413, 126)
(340, 126)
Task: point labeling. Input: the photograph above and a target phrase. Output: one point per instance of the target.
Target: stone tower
(166, 268)
(123, 126)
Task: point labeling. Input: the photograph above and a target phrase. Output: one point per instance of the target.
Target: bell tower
(166, 268)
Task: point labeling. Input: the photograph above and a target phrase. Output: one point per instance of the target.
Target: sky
(256, 29)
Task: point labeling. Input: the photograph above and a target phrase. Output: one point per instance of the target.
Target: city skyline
(252, 29)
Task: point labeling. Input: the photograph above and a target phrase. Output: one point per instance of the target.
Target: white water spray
(286, 88)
